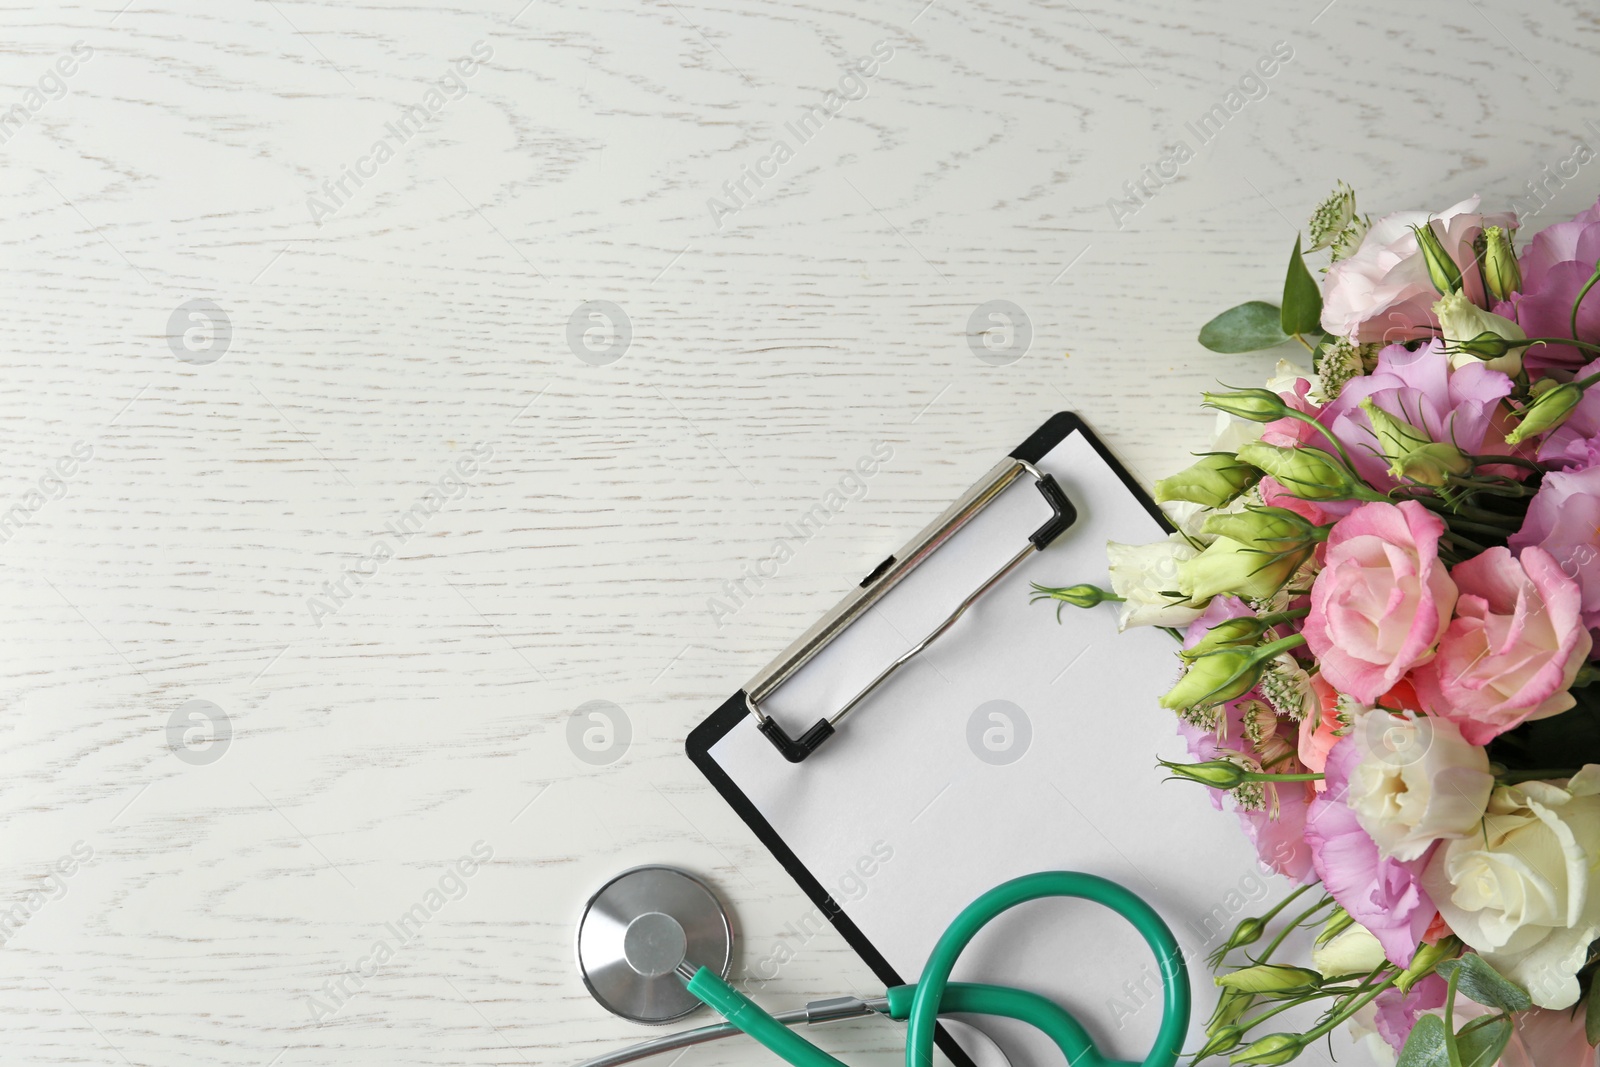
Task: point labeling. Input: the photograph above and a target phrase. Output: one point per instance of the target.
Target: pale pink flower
(1383, 292)
(1514, 647)
(1381, 600)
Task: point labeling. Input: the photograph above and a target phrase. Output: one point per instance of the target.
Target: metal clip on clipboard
(884, 578)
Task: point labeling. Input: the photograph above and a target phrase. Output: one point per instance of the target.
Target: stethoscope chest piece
(635, 931)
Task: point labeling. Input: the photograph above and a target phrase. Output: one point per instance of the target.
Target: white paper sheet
(911, 770)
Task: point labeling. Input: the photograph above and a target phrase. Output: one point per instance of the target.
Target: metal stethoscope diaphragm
(635, 931)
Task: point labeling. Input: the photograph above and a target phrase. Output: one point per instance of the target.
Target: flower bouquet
(1383, 580)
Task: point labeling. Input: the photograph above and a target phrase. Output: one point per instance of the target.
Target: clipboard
(1012, 744)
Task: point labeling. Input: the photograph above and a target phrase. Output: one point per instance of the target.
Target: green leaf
(1591, 1015)
(1484, 984)
(1426, 1045)
(1481, 1045)
(1302, 298)
(1250, 327)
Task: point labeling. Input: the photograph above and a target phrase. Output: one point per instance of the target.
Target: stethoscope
(654, 943)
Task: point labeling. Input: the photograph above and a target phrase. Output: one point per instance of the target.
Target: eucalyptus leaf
(1481, 1045)
(1250, 327)
(1302, 297)
(1482, 983)
(1426, 1045)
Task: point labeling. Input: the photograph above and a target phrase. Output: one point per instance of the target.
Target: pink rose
(1514, 647)
(1564, 520)
(1382, 599)
(1383, 293)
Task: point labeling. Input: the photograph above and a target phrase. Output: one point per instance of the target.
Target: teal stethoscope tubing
(922, 1003)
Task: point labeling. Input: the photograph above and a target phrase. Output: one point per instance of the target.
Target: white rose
(1518, 890)
(1418, 781)
(1143, 575)
(1353, 951)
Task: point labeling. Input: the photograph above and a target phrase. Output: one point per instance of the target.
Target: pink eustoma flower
(1382, 599)
(1555, 267)
(1384, 895)
(1512, 650)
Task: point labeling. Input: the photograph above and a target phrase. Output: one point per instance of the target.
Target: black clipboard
(735, 709)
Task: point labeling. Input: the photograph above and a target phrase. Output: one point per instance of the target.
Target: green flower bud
(1231, 1005)
(1245, 630)
(1427, 958)
(1337, 923)
(1354, 951)
(1548, 411)
(1248, 932)
(1307, 473)
(1226, 1039)
(1472, 333)
(1412, 454)
(1082, 595)
(1256, 405)
(1217, 773)
(1442, 270)
(1246, 570)
(1271, 978)
(1501, 274)
(1277, 529)
(1215, 480)
(1269, 1051)
(1432, 465)
(1224, 674)
(1395, 436)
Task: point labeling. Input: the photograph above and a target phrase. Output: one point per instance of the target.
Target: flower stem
(1573, 341)
(1468, 543)
(1450, 1019)
(1516, 461)
(1595, 277)
(1272, 912)
(1314, 424)
(1272, 946)
(1328, 1026)
(1517, 777)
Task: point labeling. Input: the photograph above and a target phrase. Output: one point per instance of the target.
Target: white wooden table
(361, 351)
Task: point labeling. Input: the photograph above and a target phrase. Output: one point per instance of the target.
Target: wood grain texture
(373, 745)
